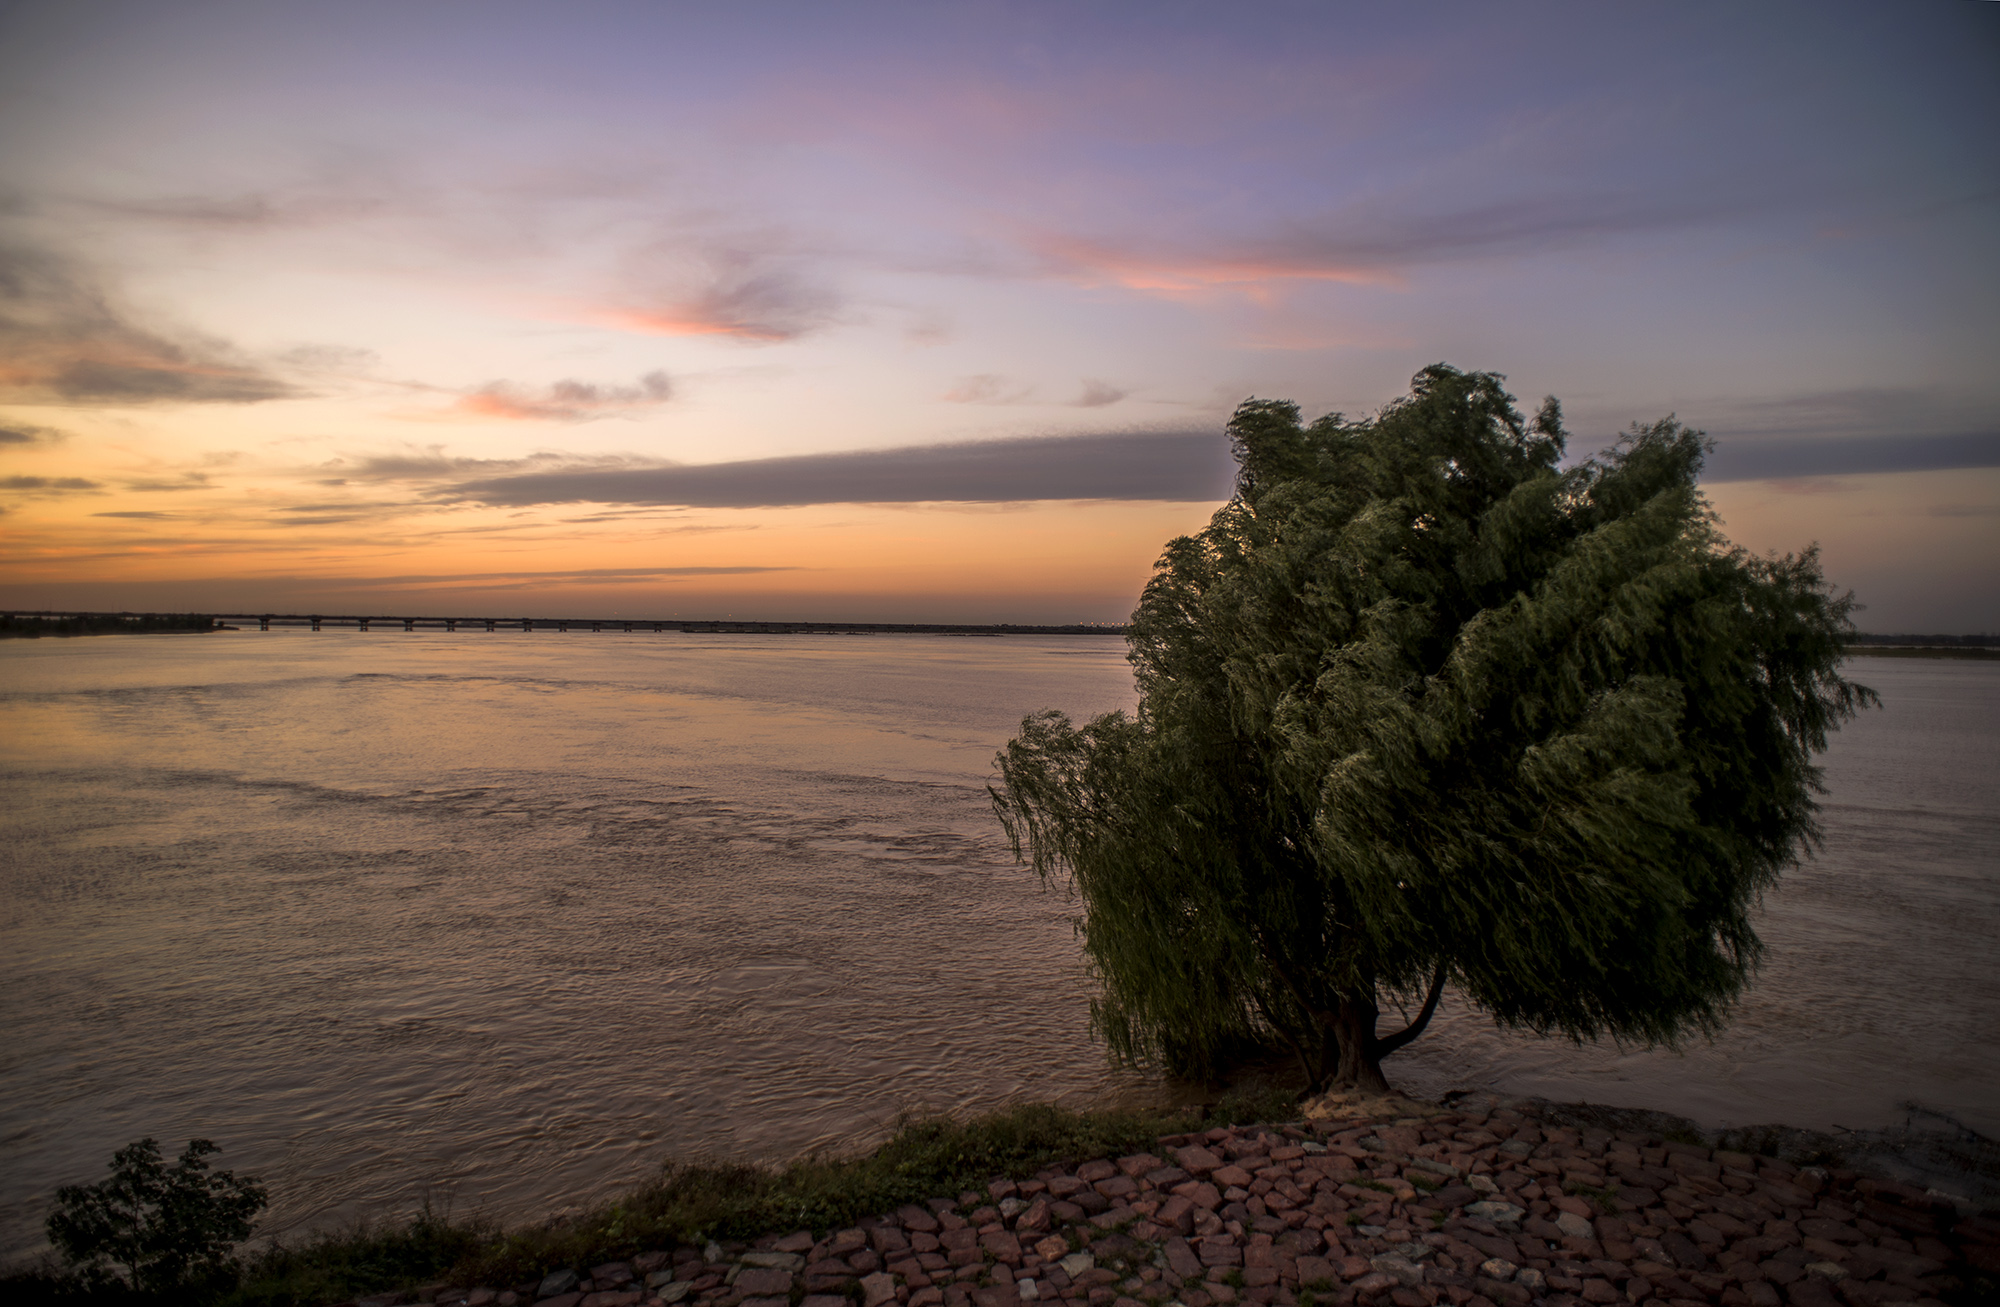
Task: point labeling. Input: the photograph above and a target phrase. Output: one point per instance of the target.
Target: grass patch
(1425, 1181)
(333, 1267)
(691, 1204)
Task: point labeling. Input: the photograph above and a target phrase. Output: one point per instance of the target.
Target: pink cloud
(565, 401)
(1192, 273)
(683, 322)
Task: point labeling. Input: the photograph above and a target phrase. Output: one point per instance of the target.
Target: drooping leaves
(1420, 698)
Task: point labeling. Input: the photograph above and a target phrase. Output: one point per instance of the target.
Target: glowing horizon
(909, 315)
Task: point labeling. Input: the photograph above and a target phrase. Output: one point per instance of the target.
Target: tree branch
(1298, 1049)
(1386, 1046)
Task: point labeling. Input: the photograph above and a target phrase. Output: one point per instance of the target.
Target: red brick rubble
(1486, 1208)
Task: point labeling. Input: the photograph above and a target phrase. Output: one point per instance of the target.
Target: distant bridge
(623, 625)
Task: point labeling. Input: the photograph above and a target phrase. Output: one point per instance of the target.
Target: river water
(505, 921)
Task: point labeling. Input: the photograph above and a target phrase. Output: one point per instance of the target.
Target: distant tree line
(29, 626)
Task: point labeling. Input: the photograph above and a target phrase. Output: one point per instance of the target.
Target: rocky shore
(1370, 1202)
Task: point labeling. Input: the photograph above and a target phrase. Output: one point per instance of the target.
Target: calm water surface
(510, 920)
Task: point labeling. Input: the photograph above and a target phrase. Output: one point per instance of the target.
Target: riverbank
(1370, 1202)
(1393, 1202)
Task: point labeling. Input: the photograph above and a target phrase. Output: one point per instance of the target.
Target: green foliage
(153, 1229)
(1421, 705)
(687, 1204)
(924, 1159)
(334, 1267)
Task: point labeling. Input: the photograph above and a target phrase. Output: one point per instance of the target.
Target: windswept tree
(1421, 707)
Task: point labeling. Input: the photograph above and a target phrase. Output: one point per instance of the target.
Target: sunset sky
(647, 308)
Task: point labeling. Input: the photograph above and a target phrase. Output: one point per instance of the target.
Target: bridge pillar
(364, 623)
(264, 622)
(527, 625)
(451, 624)
(315, 622)
(409, 623)
(596, 626)
(491, 624)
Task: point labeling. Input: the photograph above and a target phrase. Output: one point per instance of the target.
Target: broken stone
(1406, 1272)
(1572, 1225)
(775, 1261)
(762, 1282)
(1497, 1212)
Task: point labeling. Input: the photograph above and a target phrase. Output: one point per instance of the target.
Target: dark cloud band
(1785, 458)
(1182, 466)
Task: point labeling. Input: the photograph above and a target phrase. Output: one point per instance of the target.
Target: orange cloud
(565, 401)
(1096, 263)
(678, 322)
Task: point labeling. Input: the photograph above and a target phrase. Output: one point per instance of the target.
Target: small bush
(155, 1230)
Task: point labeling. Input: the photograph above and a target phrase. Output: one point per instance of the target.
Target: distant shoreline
(1974, 652)
(26, 624)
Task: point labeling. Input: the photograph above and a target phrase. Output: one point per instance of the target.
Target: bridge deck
(623, 625)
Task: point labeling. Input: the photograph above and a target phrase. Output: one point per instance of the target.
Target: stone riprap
(1492, 1208)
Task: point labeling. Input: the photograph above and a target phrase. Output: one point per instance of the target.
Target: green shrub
(156, 1230)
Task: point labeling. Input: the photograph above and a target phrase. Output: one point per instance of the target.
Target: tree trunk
(1354, 1029)
(1361, 1050)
